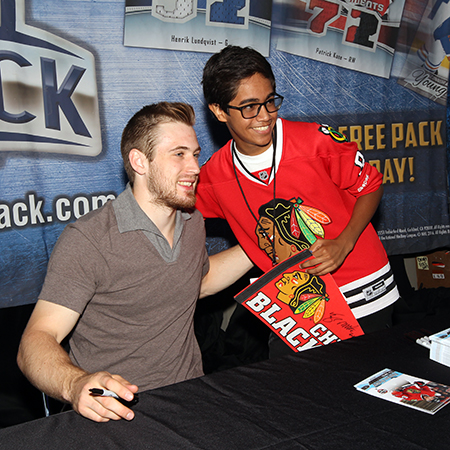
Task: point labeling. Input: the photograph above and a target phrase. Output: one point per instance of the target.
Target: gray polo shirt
(136, 295)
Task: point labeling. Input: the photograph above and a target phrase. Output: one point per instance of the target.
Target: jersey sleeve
(207, 202)
(350, 171)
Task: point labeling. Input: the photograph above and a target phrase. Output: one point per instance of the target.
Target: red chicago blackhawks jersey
(313, 186)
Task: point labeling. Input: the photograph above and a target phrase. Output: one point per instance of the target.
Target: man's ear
(138, 161)
(220, 114)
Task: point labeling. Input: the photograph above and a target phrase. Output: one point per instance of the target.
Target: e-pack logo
(48, 91)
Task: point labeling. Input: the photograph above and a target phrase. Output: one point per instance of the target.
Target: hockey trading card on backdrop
(427, 66)
(356, 35)
(198, 25)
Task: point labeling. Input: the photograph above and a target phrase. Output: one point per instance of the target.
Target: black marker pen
(106, 393)
(103, 393)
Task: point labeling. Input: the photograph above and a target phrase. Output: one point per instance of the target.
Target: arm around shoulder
(225, 268)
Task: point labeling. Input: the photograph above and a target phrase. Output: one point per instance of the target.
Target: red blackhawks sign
(304, 310)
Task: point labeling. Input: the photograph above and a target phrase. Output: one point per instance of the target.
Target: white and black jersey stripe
(372, 293)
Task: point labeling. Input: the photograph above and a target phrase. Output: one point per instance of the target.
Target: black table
(305, 400)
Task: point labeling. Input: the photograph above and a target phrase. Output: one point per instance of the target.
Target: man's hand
(98, 408)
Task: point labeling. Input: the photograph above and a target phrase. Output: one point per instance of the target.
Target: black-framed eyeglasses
(252, 109)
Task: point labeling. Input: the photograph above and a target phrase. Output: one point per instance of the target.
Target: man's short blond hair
(141, 131)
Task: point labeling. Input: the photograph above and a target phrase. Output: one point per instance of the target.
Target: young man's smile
(252, 136)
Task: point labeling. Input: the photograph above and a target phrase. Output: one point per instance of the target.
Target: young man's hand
(328, 255)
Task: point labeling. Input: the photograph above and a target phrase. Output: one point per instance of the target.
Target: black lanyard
(272, 170)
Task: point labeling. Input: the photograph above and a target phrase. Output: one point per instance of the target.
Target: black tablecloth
(305, 400)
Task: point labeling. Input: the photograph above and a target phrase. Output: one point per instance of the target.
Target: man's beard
(164, 195)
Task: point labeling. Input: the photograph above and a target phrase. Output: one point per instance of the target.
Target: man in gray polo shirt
(123, 280)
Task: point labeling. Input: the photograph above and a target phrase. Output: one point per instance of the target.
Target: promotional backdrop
(73, 72)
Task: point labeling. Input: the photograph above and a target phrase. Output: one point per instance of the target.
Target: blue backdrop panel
(42, 190)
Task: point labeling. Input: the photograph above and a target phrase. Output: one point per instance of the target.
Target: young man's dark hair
(225, 70)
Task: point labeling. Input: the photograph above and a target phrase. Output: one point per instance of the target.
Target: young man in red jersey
(285, 186)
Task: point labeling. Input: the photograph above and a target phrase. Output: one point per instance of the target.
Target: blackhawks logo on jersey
(286, 227)
(335, 135)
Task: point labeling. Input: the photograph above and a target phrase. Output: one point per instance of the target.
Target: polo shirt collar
(130, 216)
